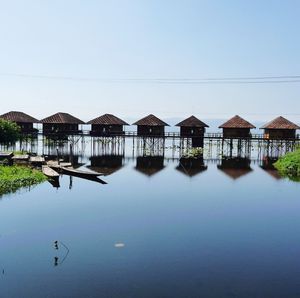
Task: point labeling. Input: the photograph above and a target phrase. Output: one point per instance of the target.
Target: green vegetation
(9, 131)
(194, 153)
(289, 165)
(14, 177)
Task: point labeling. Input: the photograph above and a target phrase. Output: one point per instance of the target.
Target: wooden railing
(171, 135)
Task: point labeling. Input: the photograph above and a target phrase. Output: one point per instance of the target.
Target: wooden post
(71, 154)
(57, 155)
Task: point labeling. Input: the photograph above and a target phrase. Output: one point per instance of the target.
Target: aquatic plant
(289, 165)
(14, 177)
(194, 153)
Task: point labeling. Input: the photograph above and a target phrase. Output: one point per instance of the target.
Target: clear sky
(93, 54)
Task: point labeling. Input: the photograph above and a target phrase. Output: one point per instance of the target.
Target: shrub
(9, 131)
(289, 165)
(14, 177)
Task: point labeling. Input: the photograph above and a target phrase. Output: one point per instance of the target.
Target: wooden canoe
(78, 173)
(49, 172)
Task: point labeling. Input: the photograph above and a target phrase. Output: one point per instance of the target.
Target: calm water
(155, 230)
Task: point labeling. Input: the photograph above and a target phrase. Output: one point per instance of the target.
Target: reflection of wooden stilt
(231, 147)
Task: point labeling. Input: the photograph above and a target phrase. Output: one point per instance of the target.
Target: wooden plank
(39, 160)
(54, 163)
(6, 155)
(23, 157)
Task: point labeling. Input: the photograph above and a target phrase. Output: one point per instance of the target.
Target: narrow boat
(50, 173)
(78, 173)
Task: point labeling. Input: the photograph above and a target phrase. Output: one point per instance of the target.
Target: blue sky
(101, 44)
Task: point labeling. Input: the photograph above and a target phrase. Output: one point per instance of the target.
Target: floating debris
(120, 245)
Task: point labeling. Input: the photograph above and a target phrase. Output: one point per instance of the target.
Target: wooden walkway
(168, 135)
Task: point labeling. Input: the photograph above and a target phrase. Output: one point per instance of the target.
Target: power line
(280, 79)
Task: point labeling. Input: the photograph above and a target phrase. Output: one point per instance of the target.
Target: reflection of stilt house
(107, 125)
(193, 128)
(149, 165)
(21, 119)
(268, 167)
(235, 167)
(150, 126)
(236, 127)
(106, 164)
(191, 166)
(280, 128)
(61, 124)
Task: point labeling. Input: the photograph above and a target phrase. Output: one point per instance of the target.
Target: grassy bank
(289, 165)
(15, 177)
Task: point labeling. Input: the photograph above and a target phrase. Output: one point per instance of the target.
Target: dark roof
(108, 119)
(62, 118)
(150, 120)
(280, 123)
(192, 122)
(20, 117)
(237, 122)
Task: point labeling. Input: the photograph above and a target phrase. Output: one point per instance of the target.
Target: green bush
(289, 165)
(9, 131)
(14, 177)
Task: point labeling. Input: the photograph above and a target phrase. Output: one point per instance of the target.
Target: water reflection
(235, 167)
(54, 182)
(191, 166)
(167, 237)
(149, 165)
(268, 167)
(106, 164)
(65, 252)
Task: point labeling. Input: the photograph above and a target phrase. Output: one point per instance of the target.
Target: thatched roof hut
(280, 128)
(151, 126)
(25, 121)
(236, 127)
(61, 123)
(192, 126)
(107, 125)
